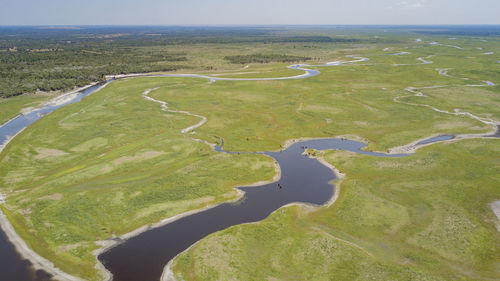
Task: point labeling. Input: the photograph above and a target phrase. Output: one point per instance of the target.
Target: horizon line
(242, 25)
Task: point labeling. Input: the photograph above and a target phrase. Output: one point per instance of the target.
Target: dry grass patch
(55, 197)
(137, 158)
(90, 144)
(48, 153)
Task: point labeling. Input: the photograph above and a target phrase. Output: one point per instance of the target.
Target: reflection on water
(13, 267)
(302, 179)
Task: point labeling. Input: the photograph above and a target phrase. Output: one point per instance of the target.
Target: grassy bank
(108, 165)
(424, 217)
(114, 162)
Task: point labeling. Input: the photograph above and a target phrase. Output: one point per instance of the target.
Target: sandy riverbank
(168, 274)
(38, 262)
(109, 244)
(106, 245)
(495, 206)
(26, 252)
(54, 101)
(414, 146)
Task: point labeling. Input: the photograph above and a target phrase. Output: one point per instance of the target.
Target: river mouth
(303, 180)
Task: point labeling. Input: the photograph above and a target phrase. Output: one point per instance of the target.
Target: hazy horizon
(62, 26)
(256, 12)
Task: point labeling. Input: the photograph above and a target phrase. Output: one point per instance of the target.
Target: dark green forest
(61, 58)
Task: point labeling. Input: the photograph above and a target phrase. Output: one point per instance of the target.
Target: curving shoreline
(265, 200)
(46, 265)
(40, 262)
(168, 274)
(37, 261)
(413, 146)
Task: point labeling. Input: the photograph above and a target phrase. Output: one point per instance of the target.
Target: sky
(247, 12)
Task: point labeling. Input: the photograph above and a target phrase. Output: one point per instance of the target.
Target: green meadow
(424, 217)
(114, 162)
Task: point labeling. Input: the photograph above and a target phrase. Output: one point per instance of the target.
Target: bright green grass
(115, 162)
(259, 116)
(108, 165)
(424, 217)
(270, 71)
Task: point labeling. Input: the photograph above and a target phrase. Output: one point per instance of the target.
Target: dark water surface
(303, 179)
(144, 257)
(13, 267)
(496, 134)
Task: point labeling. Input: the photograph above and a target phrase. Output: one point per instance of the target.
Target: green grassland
(350, 99)
(115, 162)
(107, 166)
(203, 58)
(34, 58)
(424, 217)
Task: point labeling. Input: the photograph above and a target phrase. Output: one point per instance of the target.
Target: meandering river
(15, 267)
(143, 257)
(303, 180)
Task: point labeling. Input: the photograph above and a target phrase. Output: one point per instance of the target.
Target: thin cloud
(409, 4)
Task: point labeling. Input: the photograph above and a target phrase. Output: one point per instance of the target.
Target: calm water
(303, 179)
(436, 139)
(17, 124)
(144, 257)
(13, 267)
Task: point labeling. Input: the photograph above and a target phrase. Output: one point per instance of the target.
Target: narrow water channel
(303, 180)
(14, 126)
(436, 139)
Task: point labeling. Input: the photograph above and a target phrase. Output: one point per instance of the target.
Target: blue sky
(232, 12)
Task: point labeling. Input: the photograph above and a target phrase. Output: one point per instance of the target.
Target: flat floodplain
(422, 217)
(114, 162)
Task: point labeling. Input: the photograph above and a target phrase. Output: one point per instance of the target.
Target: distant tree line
(33, 58)
(23, 70)
(264, 58)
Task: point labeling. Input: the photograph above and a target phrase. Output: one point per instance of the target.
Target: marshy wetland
(118, 164)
